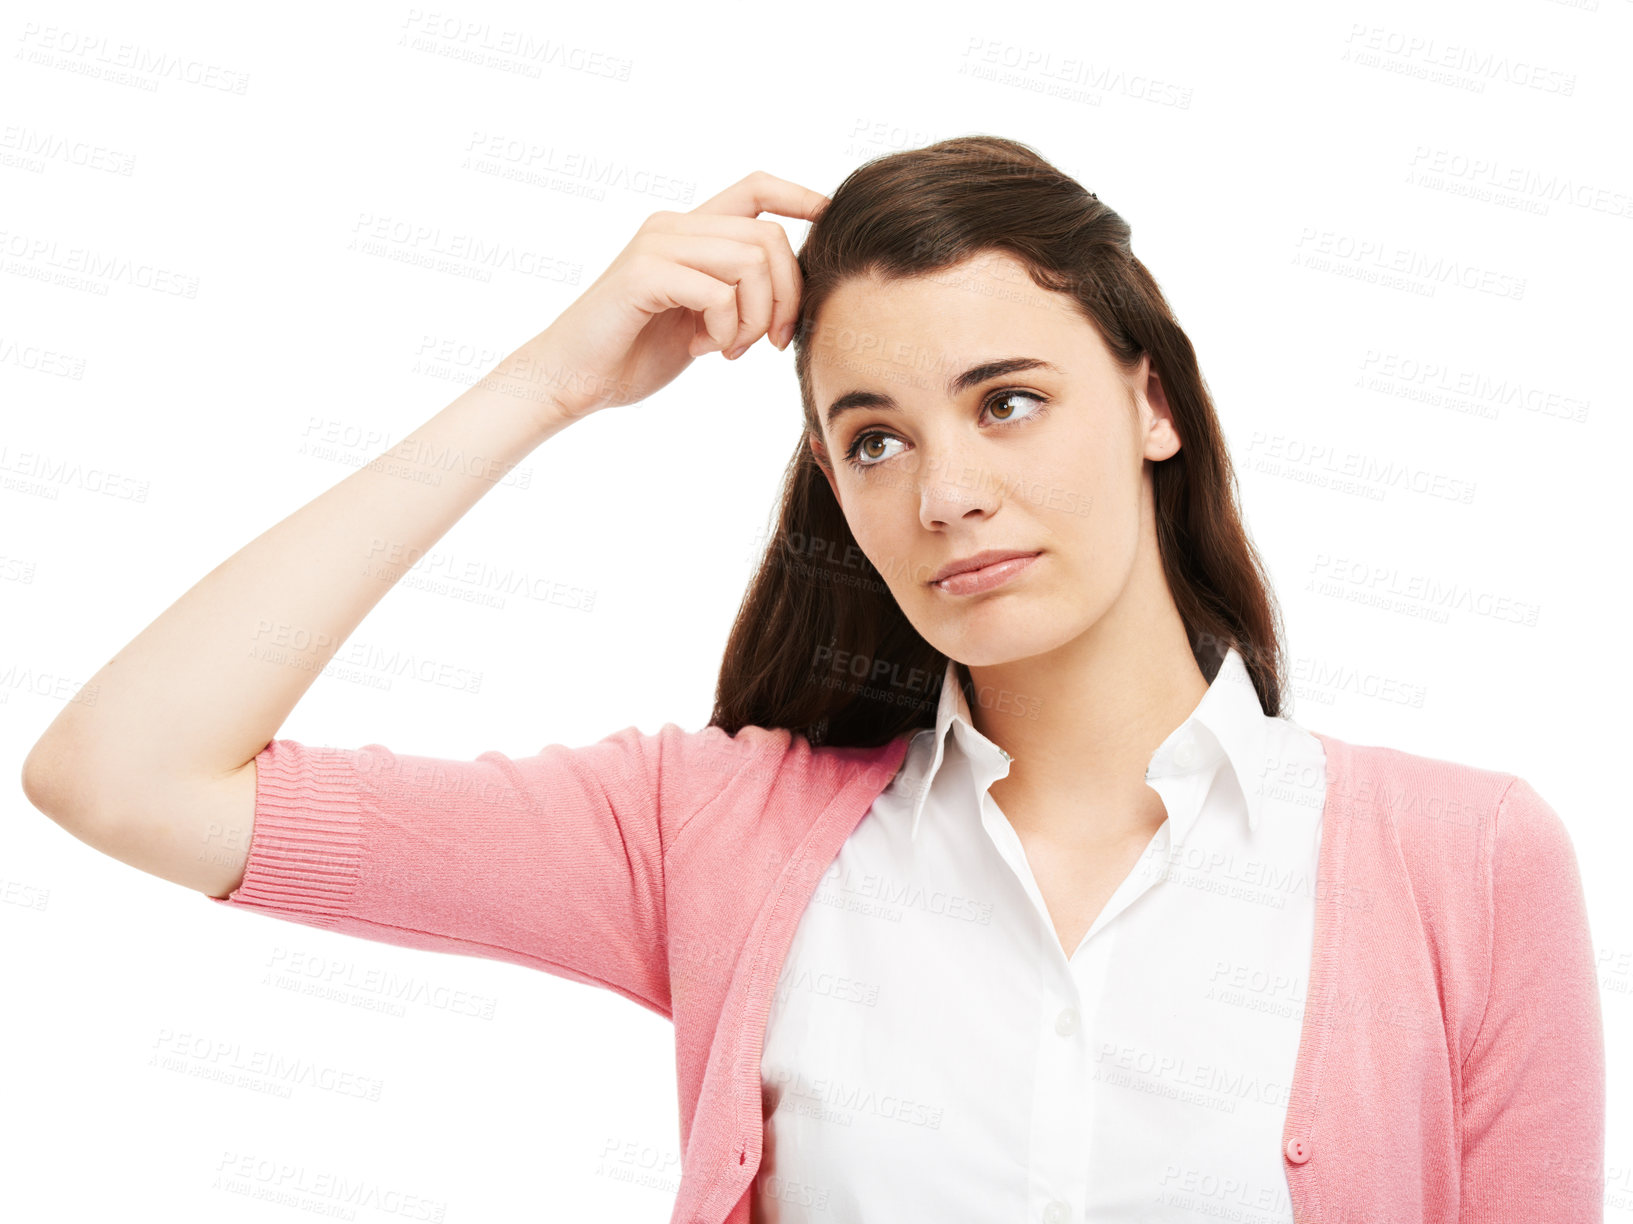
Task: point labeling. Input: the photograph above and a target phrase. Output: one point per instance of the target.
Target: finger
(761, 192)
(783, 266)
(669, 285)
(743, 264)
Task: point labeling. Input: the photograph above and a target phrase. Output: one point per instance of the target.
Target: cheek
(1087, 477)
(882, 547)
(885, 531)
(1104, 520)
(1058, 486)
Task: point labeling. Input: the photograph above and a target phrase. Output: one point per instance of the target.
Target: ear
(1161, 434)
(820, 453)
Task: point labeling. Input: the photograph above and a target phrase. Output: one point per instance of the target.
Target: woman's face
(1048, 459)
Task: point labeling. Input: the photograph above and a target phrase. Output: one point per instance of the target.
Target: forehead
(920, 329)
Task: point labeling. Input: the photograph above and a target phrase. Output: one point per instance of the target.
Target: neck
(1081, 721)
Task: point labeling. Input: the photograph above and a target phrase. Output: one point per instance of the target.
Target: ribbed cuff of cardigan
(306, 844)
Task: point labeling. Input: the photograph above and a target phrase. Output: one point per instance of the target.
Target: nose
(953, 487)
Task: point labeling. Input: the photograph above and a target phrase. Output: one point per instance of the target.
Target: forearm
(203, 688)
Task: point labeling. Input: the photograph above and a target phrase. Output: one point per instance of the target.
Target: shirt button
(1066, 1022)
(1298, 1151)
(1186, 755)
(1057, 1212)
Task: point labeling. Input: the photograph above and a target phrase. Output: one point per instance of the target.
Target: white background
(148, 435)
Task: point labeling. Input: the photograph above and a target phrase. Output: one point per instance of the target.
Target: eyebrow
(956, 386)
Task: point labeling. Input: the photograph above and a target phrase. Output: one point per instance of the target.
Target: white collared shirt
(932, 1053)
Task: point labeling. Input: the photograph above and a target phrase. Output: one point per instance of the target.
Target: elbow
(59, 787)
(36, 783)
(45, 781)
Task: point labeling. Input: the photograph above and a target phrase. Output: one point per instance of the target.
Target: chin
(1009, 638)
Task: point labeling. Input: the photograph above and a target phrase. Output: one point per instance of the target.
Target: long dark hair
(820, 646)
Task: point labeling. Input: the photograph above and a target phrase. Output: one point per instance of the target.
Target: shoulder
(1425, 802)
(770, 798)
(1477, 855)
(1423, 795)
(770, 754)
(759, 771)
(1532, 855)
(1459, 832)
(1416, 825)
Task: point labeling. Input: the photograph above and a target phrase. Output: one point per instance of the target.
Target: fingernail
(737, 352)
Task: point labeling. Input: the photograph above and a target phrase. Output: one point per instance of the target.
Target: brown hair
(820, 645)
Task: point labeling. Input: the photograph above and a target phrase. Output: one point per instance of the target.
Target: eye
(861, 444)
(1008, 395)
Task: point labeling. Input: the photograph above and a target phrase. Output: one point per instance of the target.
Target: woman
(998, 886)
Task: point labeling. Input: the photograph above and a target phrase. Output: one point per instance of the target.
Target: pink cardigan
(1451, 1065)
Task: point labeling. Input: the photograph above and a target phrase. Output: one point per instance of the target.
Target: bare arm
(159, 770)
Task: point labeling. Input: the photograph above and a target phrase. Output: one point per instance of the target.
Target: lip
(983, 571)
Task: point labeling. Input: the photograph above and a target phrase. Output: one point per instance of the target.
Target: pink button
(1297, 1151)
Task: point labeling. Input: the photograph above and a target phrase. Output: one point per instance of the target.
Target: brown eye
(862, 456)
(856, 457)
(1002, 396)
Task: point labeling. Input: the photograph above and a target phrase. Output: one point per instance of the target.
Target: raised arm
(161, 765)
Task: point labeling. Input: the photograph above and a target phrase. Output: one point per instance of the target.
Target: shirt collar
(1229, 724)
